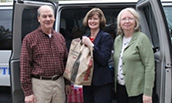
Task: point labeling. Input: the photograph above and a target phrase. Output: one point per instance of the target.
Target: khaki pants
(48, 91)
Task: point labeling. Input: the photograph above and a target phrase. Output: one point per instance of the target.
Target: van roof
(97, 1)
(103, 1)
(6, 3)
(166, 0)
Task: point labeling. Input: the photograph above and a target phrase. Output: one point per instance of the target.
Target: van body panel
(5, 50)
(4, 67)
(5, 42)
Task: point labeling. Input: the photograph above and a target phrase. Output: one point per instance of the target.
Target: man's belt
(55, 77)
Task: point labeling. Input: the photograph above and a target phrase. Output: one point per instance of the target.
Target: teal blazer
(138, 64)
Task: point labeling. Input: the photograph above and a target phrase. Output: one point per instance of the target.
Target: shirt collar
(52, 33)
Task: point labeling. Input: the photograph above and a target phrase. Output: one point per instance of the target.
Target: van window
(5, 29)
(150, 18)
(168, 13)
(71, 23)
(29, 21)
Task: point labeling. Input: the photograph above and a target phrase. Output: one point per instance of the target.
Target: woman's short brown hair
(92, 12)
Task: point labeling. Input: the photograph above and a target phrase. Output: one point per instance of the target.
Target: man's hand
(30, 99)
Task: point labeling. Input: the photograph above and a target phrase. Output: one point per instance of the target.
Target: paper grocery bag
(79, 66)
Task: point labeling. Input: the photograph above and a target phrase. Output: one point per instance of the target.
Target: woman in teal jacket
(134, 60)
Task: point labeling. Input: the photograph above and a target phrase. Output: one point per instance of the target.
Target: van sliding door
(24, 21)
(154, 25)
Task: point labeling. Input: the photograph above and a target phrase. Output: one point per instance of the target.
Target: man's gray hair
(38, 11)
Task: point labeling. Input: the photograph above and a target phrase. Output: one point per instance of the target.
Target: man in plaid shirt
(42, 62)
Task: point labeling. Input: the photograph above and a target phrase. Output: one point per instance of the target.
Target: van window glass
(168, 13)
(29, 21)
(71, 23)
(5, 29)
(150, 18)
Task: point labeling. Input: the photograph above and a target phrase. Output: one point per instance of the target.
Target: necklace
(92, 39)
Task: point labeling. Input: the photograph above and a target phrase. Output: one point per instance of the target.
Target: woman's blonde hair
(134, 13)
(91, 13)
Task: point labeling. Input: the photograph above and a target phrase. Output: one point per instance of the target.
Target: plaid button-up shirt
(42, 56)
